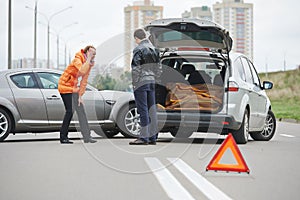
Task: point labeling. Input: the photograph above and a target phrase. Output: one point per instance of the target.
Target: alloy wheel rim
(3, 124)
(269, 126)
(132, 122)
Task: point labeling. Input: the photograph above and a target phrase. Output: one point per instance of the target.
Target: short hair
(140, 34)
(88, 48)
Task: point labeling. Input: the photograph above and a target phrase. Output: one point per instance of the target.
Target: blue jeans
(146, 107)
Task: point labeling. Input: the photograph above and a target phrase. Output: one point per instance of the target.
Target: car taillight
(233, 86)
(225, 123)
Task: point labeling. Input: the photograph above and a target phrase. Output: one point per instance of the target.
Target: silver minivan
(206, 87)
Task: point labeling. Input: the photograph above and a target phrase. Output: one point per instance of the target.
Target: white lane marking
(169, 183)
(286, 135)
(207, 188)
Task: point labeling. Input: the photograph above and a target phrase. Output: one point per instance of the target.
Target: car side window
(249, 77)
(254, 73)
(25, 80)
(49, 80)
(239, 66)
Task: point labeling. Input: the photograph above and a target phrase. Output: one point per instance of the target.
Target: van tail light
(225, 123)
(233, 86)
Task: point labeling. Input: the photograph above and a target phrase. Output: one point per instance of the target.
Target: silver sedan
(30, 102)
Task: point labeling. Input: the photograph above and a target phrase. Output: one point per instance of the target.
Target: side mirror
(267, 85)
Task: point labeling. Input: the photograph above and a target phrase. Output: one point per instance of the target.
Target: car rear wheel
(5, 124)
(181, 132)
(242, 134)
(269, 129)
(129, 121)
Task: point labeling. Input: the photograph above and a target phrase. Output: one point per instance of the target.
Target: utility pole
(9, 63)
(35, 36)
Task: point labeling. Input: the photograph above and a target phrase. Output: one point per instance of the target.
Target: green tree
(104, 82)
(124, 83)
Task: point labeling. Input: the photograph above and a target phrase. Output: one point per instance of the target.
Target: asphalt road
(37, 167)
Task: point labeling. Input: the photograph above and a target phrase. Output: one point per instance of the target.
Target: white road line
(207, 188)
(285, 135)
(169, 183)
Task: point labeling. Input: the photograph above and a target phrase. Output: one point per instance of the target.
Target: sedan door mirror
(267, 85)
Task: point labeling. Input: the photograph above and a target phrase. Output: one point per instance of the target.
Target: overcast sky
(276, 27)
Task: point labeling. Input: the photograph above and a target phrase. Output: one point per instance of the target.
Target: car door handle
(53, 97)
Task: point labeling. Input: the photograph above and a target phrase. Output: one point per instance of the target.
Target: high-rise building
(137, 16)
(203, 12)
(237, 17)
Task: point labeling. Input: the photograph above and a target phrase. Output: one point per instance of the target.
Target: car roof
(9, 71)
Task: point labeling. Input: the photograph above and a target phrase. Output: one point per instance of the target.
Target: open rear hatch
(191, 83)
(175, 33)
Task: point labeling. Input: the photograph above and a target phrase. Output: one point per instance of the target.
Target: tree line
(106, 82)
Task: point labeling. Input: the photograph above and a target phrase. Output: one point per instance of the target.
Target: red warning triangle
(230, 143)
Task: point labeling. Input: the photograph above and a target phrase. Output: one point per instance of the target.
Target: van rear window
(173, 35)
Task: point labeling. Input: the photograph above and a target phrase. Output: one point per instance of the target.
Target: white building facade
(137, 16)
(237, 17)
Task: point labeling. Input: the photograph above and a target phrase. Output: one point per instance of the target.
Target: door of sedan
(93, 101)
(54, 103)
(29, 99)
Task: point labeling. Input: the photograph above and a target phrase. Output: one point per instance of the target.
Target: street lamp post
(66, 42)
(9, 63)
(48, 33)
(48, 30)
(35, 36)
(67, 26)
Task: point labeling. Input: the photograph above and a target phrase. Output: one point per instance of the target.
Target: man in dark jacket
(144, 66)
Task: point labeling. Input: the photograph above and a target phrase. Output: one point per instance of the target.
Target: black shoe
(66, 141)
(90, 140)
(138, 142)
(152, 142)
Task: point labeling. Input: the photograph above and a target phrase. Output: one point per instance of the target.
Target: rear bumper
(200, 121)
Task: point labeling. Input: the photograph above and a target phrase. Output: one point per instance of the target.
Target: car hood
(182, 32)
(117, 95)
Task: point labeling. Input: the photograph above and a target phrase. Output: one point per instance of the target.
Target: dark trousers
(71, 105)
(146, 107)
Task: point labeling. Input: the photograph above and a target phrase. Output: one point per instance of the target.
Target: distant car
(30, 102)
(206, 87)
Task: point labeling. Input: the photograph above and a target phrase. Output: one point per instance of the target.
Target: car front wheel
(269, 129)
(5, 124)
(129, 121)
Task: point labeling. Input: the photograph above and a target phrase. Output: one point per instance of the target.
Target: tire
(242, 134)
(106, 133)
(269, 129)
(129, 121)
(5, 124)
(182, 132)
